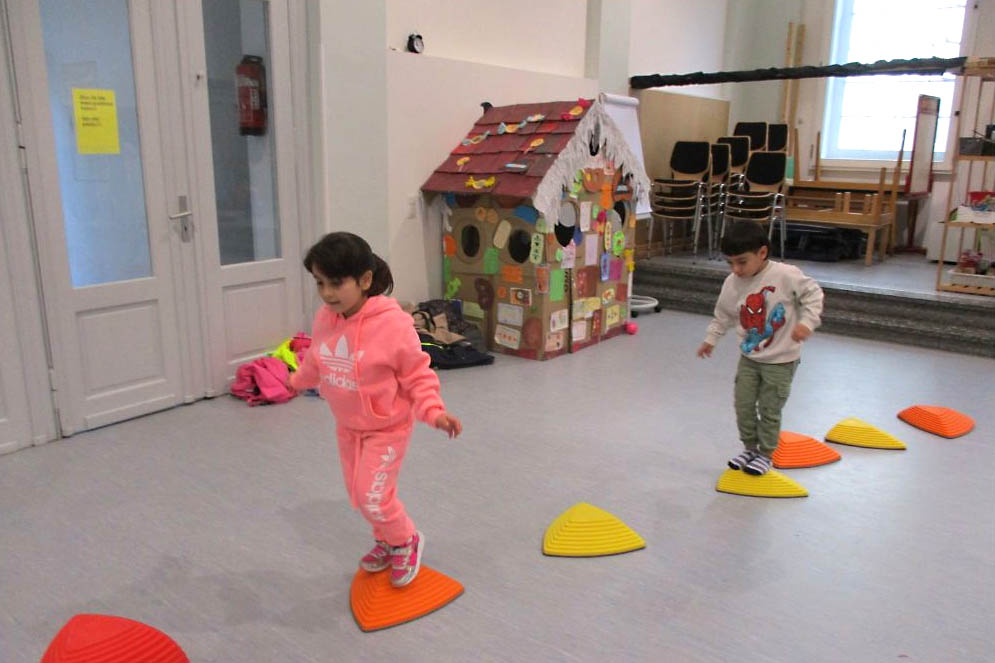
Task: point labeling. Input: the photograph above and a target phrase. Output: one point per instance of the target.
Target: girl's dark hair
(340, 255)
(744, 237)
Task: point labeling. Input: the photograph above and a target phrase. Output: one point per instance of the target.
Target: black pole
(920, 66)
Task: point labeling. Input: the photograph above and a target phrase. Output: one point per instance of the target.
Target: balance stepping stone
(584, 530)
(377, 604)
(771, 484)
(110, 639)
(859, 433)
(937, 420)
(795, 450)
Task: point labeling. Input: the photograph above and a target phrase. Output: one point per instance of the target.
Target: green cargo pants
(760, 393)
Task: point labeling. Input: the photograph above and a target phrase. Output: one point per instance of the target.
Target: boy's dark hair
(341, 255)
(744, 237)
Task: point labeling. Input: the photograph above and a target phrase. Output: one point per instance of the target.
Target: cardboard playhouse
(536, 205)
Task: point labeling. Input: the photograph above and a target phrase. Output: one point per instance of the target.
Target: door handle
(186, 227)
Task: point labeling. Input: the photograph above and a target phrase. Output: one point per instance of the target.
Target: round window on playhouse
(519, 246)
(622, 209)
(469, 241)
(564, 228)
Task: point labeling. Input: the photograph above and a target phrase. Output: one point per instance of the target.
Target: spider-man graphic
(759, 325)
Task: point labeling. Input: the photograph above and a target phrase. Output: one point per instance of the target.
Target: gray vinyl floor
(227, 527)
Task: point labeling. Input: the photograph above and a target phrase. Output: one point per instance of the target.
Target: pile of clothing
(445, 336)
(266, 380)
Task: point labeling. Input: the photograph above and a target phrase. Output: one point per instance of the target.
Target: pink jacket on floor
(261, 381)
(370, 367)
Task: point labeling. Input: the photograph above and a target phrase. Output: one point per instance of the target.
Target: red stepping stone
(937, 420)
(796, 450)
(109, 639)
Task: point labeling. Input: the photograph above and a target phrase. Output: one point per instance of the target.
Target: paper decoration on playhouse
(536, 205)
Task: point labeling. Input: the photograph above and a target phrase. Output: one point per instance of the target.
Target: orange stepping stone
(110, 639)
(937, 420)
(797, 450)
(376, 604)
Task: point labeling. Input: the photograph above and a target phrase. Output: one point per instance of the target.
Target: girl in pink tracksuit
(366, 359)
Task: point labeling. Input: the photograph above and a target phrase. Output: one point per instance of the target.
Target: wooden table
(865, 206)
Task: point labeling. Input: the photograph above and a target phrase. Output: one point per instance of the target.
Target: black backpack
(453, 355)
(453, 308)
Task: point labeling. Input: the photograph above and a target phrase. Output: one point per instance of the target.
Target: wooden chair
(763, 201)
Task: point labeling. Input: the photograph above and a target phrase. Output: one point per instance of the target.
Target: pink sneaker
(406, 560)
(377, 559)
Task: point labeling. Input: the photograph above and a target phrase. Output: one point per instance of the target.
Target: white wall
(677, 37)
(609, 28)
(744, 50)
(26, 408)
(388, 118)
(546, 36)
(353, 122)
(432, 103)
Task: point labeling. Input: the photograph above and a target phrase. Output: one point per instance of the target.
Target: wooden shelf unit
(981, 70)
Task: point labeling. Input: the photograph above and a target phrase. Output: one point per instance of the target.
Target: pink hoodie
(370, 367)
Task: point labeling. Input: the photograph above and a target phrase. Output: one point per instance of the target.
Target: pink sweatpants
(371, 463)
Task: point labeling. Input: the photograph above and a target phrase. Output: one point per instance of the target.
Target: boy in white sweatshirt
(775, 307)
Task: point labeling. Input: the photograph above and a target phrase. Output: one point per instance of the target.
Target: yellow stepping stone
(584, 530)
(771, 484)
(858, 433)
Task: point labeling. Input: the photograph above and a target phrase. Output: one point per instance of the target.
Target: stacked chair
(715, 198)
(756, 132)
(761, 198)
(737, 178)
(777, 138)
(680, 200)
(739, 155)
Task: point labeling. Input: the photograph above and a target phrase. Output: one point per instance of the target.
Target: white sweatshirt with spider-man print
(765, 308)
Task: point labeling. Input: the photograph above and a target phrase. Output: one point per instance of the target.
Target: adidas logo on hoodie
(340, 366)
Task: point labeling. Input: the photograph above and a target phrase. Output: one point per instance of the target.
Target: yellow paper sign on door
(95, 115)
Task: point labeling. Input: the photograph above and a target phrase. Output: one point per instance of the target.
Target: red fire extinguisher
(250, 82)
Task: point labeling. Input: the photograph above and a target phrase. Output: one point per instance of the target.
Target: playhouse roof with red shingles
(483, 158)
